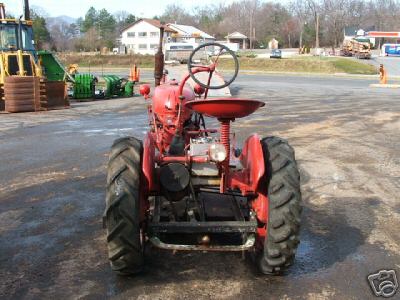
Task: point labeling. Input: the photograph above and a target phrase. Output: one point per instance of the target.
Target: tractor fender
(252, 160)
(148, 162)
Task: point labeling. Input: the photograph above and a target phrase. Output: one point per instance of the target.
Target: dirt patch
(28, 180)
(10, 220)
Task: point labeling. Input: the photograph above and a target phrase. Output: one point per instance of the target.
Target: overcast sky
(78, 8)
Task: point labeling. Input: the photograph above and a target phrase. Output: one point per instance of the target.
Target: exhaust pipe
(2, 11)
(27, 12)
(159, 59)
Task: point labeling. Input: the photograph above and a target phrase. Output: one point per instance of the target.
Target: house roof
(352, 30)
(190, 31)
(236, 35)
(155, 23)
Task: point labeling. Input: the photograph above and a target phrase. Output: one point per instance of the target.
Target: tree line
(96, 30)
(311, 23)
(314, 23)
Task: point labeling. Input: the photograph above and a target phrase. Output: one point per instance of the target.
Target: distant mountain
(60, 19)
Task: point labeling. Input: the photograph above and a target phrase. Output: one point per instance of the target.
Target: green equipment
(110, 86)
(84, 87)
(52, 68)
(128, 90)
(87, 86)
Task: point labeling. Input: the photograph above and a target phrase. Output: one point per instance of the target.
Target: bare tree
(210, 19)
(174, 13)
(318, 22)
(251, 8)
(235, 18)
(336, 13)
(315, 9)
(299, 9)
(121, 15)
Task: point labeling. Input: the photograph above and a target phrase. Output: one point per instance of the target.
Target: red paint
(144, 89)
(186, 78)
(148, 163)
(198, 89)
(172, 105)
(387, 34)
(260, 206)
(166, 103)
(168, 112)
(248, 179)
(225, 108)
(252, 159)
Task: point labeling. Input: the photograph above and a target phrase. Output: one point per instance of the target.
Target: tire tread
(283, 186)
(122, 206)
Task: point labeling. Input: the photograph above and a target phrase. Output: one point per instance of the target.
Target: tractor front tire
(125, 249)
(282, 181)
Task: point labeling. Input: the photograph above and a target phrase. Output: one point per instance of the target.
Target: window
(131, 34)
(154, 46)
(154, 34)
(142, 46)
(142, 34)
(8, 37)
(181, 47)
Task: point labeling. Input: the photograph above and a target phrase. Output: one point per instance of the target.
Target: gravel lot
(346, 136)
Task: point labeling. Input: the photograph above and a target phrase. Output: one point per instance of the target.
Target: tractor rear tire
(125, 249)
(282, 181)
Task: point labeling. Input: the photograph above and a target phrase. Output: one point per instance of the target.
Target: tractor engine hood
(166, 102)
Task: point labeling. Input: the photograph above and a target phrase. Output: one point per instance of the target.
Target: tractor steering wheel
(211, 51)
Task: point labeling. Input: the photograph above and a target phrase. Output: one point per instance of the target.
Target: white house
(189, 34)
(143, 36)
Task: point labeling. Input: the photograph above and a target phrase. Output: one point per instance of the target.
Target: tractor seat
(225, 108)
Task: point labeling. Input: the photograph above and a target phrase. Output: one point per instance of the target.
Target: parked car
(276, 54)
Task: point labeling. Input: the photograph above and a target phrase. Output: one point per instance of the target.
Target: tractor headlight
(217, 152)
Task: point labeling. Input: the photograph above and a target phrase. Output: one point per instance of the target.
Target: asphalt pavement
(347, 142)
(391, 64)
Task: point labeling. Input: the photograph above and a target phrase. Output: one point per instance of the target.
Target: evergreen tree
(91, 19)
(106, 25)
(130, 19)
(41, 33)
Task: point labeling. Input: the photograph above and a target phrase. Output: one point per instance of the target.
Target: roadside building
(350, 32)
(143, 36)
(188, 34)
(239, 38)
(359, 34)
(273, 44)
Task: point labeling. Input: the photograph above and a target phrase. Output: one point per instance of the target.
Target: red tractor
(189, 187)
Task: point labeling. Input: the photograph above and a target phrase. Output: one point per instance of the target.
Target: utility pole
(301, 39)
(303, 24)
(251, 30)
(254, 34)
(317, 30)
